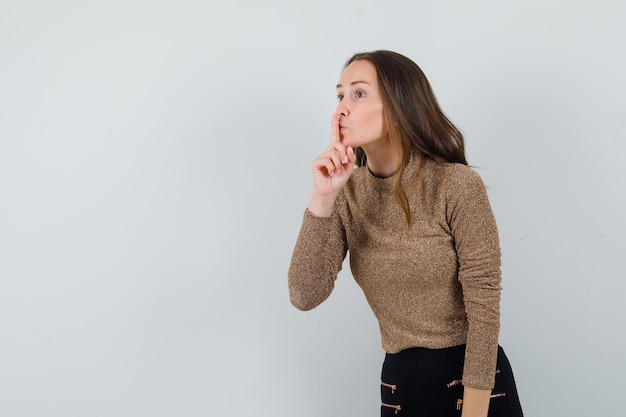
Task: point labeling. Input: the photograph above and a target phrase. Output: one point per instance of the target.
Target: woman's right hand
(331, 171)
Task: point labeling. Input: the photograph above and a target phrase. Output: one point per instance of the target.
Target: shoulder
(462, 177)
(453, 177)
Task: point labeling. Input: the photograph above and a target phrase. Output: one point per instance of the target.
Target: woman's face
(360, 108)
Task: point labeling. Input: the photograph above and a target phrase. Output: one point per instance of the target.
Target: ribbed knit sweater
(433, 284)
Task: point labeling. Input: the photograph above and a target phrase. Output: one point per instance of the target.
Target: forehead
(358, 71)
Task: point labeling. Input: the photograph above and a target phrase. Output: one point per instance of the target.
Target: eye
(339, 97)
(359, 94)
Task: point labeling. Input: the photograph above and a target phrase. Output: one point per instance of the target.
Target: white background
(154, 168)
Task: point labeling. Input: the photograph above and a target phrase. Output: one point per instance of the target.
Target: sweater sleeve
(477, 245)
(317, 259)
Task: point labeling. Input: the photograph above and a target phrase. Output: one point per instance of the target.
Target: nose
(342, 109)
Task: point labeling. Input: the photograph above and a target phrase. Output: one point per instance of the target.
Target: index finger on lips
(335, 139)
(334, 129)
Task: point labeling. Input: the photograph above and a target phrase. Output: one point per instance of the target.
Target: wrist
(322, 206)
(475, 402)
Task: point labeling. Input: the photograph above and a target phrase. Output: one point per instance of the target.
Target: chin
(347, 141)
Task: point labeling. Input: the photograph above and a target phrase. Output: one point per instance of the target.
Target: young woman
(422, 239)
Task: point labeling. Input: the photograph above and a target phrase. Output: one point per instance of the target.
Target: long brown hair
(413, 117)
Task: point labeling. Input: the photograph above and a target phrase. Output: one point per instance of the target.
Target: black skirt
(421, 382)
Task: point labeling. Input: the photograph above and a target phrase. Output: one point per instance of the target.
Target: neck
(382, 161)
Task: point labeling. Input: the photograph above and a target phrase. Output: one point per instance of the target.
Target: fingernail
(344, 159)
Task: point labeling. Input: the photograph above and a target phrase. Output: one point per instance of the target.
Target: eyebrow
(355, 82)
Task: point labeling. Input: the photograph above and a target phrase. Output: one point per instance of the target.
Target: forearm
(475, 402)
(316, 260)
